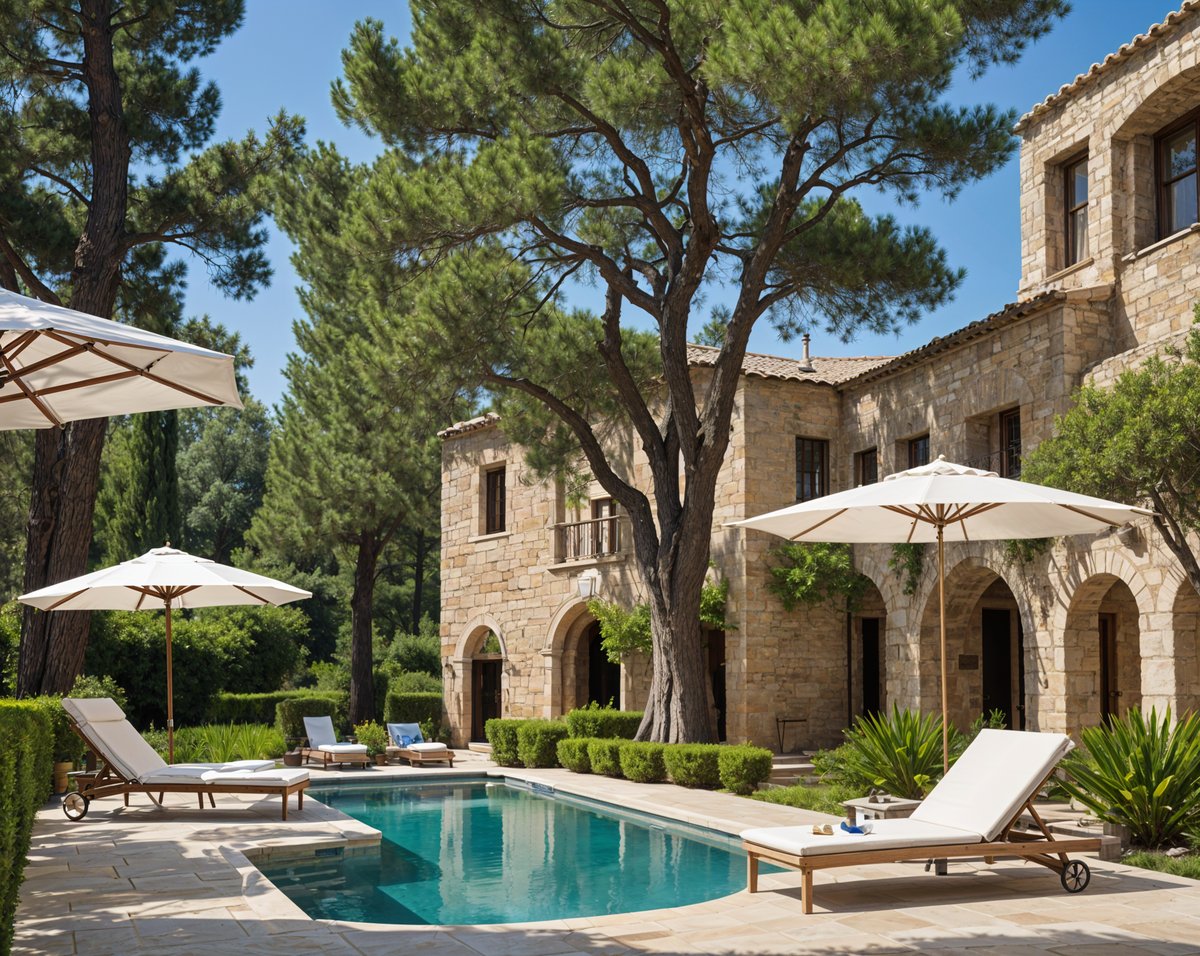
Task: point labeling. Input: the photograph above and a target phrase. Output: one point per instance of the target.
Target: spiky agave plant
(900, 751)
(1141, 772)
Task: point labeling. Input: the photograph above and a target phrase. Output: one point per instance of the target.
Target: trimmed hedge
(502, 735)
(744, 767)
(605, 756)
(537, 742)
(26, 758)
(290, 713)
(642, 762)
(404, 708)
(573, 754)
(694, 765)
(604, 722)
(228, 708)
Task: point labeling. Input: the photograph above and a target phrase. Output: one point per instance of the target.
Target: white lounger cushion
(884, 835)
(423, 748)
(343, 748)
(124, 747)
(180, 774)
(988, 784)
(85, 710)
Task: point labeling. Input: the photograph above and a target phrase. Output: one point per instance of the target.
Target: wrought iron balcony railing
(595, 538)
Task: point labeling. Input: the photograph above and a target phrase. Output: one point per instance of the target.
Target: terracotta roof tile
(826, 371)
(1153, 34)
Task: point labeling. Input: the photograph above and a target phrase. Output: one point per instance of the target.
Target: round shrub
(537, 742)
(502, 735)
(643, 762)
(605, 756)
(405, 708)
(744, 767)
(573, 754)
(290, 713)
(604, 722)
(694, 765)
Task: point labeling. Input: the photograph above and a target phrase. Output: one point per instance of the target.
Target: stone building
(1110, 240)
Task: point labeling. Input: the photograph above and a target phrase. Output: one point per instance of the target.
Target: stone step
(479, 747)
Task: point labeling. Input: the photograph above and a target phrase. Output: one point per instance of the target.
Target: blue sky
(289, 52)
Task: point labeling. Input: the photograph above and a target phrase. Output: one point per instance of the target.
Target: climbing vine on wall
(810, 574)
(908, 560)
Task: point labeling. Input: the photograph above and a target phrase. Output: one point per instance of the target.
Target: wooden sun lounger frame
(1043, 849)
(108, 781)
(309, 753)
(417, 757)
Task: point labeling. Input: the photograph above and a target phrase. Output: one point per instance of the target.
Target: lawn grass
(825, 798)
(1188, 866)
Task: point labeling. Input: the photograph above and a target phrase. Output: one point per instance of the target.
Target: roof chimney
(805, 362)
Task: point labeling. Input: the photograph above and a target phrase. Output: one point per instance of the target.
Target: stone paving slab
(140, 880)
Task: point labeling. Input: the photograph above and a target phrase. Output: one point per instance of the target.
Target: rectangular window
(1177, 198)
(866, 467)
(1076, 206)
(494, 495)
(812, 468)
(604, 526)
(918, 451)
(1010, 443)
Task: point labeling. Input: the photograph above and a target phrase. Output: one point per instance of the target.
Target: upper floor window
(866, 467)
(604, 528)
(494, 501)
(812, 468)
(918, 451)
(1077, 211)
(1177, 198)
(1010, 443)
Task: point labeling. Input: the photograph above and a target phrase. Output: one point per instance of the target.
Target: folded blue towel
(849, 829)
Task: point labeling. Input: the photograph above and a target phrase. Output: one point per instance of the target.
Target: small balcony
(590, 540)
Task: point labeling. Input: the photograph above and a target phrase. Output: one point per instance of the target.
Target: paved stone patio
(141, 881)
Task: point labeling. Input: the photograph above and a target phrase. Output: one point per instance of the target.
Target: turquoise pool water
(474, 852)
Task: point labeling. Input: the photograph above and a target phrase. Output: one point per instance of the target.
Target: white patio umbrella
(942, 502)
(58, 365)
(166, 578)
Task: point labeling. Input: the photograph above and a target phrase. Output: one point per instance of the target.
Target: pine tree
(659, 148)
(104, 126)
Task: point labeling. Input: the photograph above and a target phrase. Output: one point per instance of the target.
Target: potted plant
(374, 738)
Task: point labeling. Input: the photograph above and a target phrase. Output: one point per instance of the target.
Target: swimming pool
(479, 851)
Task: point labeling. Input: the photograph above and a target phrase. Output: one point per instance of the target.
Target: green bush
(418, 653)
(373, 736)
(694, 765)
(260, 646)
(89, 686)
(65, 743)
(825, 798)
(415, 682)
(573, 754)
(413, 708)
(642, 762)
(502, 735)
(26, 754)
(537, 742)
(604, 755)
(1143, 774)
(290, 713)
(10, 642)
(220, 743)
(230, 708)
(596, 721)
(900, 752)
(744, 767)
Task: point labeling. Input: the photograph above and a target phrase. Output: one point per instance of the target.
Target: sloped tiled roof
(1010, 313)
(1154, 33)
(471, 425)
(826, 371)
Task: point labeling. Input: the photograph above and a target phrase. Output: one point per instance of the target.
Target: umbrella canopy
(163, 578)
(943, 501)
(58, 365)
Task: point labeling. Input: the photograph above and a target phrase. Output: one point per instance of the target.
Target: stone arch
(1185, 632)
(1101, 659)
(477, 685)
(989, 659)
(568, 653)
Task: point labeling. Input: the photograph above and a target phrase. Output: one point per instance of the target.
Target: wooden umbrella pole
(942, 626)
(170, 694)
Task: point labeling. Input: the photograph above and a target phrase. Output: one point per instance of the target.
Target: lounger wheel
(1075, 876)
(75, 806)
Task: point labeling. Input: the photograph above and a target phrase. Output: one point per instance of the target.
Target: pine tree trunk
(418, 581)
(362, 678)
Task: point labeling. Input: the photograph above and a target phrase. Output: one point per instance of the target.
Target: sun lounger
(972, 812)
(416, 750)
(127, 764)
(322, 744)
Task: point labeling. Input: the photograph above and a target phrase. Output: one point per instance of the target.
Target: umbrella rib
(251, 593)
(20, 344)
(28, 392)
(54, 359)
(801, 534)
(88, 382)
(1088, 514)
(61, 601)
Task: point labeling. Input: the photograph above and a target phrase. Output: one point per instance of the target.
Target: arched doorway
(487, 671)
(867, 654)
(1185, 618)
(985, 648)
(1102, 656)
(603, 677)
